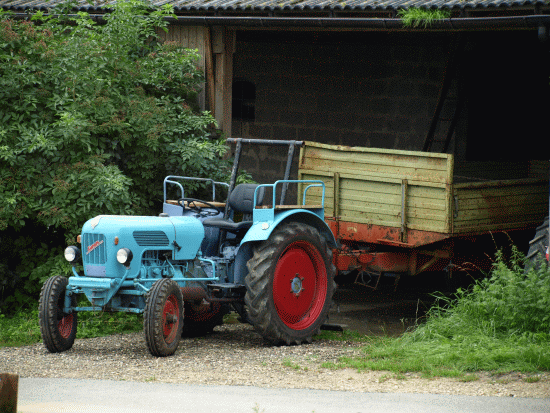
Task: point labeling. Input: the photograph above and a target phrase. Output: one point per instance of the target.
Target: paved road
(101, 396)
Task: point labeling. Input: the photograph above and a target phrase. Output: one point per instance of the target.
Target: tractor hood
(182, 235)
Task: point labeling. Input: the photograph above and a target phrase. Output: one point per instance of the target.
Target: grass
(346, 335)
(23, 328)
(418, 17)
(531, 379)
(292, 365)
(501, 325)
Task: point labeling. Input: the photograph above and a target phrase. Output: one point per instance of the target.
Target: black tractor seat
(240, 200)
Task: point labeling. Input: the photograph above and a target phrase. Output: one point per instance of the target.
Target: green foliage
(23, 328)
(92, 117)
(20, 329)
(103, 324)
(346, 335)
(502, 324)
(417, 17)
(507, 303)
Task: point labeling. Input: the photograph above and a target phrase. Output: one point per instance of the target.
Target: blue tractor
(184, 269)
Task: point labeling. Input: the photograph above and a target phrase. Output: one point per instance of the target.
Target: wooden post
(8, 392)
(404, 193)
(209, 70)
(223, 46)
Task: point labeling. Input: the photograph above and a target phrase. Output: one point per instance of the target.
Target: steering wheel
(192, 205)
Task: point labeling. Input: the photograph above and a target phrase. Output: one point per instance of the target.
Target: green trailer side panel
(499, 205)
(418, 191)
(374, 162)
(372, 185)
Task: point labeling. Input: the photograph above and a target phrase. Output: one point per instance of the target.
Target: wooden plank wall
(370, 183)
(191, 37)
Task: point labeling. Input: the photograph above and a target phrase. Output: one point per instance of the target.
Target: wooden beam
(9, 384)
(209, 70)
(223, 45)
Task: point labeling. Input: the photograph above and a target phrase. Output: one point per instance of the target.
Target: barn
(473, 82)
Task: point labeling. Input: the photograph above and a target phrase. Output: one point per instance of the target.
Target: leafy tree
(92, 117)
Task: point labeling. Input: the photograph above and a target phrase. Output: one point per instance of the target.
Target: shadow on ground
(386, 311)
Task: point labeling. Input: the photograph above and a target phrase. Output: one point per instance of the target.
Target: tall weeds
(508, 303)
(500, 324)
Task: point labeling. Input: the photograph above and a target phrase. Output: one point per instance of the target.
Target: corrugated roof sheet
(286, 5)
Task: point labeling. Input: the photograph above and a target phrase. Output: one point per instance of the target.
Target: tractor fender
(260, 231)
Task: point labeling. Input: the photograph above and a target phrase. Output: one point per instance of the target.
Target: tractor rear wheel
(538, 247)
(58, 329)
(163, 318)
(290, 284)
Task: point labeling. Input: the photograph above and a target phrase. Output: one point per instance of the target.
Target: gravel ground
(235, 355)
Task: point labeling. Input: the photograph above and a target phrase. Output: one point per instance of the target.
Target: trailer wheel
(58, 329)
(200, 319)
(538, 247)
(163, 318)
(290, 284)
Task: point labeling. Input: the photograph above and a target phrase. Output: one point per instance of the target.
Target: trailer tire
(538, 247)
(200, 319)
(58, 329)
(163, 318)
(290, 284)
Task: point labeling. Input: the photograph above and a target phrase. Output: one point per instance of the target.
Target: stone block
(382, 139)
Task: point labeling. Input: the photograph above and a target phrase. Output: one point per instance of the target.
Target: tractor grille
(95, 251)
(151, 238)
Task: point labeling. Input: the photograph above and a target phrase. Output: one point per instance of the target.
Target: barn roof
(304, 6)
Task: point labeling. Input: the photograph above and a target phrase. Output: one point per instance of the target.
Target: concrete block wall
(357, 89)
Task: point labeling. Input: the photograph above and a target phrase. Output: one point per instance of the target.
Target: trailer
(397, 212)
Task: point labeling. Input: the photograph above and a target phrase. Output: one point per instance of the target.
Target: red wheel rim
(65, 326)
(170, 319)
(300, 285)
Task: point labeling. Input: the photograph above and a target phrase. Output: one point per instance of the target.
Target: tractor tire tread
(538, 245)
(257, 297)
(50, 294)
(152, 319)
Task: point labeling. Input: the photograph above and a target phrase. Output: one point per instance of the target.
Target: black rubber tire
(538, 246)
(200, 319)
(293, 248)
(163, 318)
(58, 329)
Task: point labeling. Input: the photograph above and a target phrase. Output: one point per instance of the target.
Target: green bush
(92, 117)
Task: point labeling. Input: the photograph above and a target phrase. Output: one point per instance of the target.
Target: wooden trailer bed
(411, 199)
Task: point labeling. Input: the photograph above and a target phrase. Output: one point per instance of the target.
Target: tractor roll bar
(268, 142)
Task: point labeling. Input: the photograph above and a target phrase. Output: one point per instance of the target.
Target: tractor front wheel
(163, 318)
(58, 329)
(290, 284)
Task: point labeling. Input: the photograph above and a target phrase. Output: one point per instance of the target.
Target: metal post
(234, 171)
(287, 171)
(268, 142)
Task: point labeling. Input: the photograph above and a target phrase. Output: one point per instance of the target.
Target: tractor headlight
(72, 254)
(124, 256)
